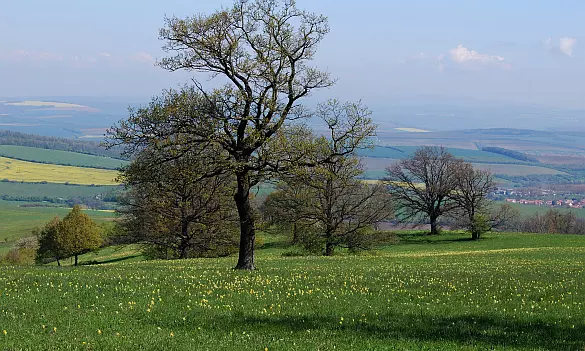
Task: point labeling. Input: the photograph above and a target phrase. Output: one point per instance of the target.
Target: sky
(380, 51)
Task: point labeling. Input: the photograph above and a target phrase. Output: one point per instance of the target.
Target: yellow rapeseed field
(16, 170)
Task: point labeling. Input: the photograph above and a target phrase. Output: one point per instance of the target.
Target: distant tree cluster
(552, 222)
(517, 155)
(433, 183)
(8, 137)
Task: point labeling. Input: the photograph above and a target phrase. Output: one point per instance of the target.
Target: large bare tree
(422, 184)
(472, 187)
(260, 51)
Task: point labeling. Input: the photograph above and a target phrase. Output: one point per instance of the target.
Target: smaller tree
(326, 196)
(77, 234)
(470, 196)
(48, 249)
(23, 252)
(422, 185)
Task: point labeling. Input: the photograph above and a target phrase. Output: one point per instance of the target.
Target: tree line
(8, 137)
(197, 152)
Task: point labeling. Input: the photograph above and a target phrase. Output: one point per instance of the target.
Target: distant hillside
(8, 137)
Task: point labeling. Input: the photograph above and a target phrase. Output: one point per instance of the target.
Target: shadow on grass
(276, 245)
(117, 259)
(469, 330)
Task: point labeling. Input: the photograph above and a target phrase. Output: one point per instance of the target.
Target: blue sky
(518, 51)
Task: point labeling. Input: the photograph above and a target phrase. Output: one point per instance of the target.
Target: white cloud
(566, 45)
(462, 55)
(143, 57)
(105, 54)
(23, 55)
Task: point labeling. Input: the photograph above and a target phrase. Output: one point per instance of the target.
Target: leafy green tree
(23, 252)
(285, 209)
(77, 234)
(48, 248)
(178, 208)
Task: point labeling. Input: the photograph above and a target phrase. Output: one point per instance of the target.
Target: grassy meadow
(17, 170)
(59, 157)
(506, 292)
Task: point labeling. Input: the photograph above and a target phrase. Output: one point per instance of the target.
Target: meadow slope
(506, 292)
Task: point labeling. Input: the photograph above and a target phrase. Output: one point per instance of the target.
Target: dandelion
(172, 334)
(4, 332)
(99, 332)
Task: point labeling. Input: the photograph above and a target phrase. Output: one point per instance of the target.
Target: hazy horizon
(520, 53)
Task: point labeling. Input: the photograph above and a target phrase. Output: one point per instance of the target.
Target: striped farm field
(24, 171)
(59, 157)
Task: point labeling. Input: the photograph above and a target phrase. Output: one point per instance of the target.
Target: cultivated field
(59, 157)
(507, 292)
(51, 190)
(517, 170)
(399, 152)
(17, 170)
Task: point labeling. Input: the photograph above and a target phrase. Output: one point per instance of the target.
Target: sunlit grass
(509, 291)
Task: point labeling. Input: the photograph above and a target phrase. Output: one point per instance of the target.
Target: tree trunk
(434, 225)
(474, 231)
(247, 230)
(184, 240)
(76, 260)
(295, 233)
(329, 247)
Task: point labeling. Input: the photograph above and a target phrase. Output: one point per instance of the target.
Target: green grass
(17, 222)
(51, 190)
(59, 157)
(506, 292)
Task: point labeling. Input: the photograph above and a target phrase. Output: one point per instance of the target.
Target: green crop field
(59, 157)
(506, 292)
(17, 221)
(51, 190)
(399, 152)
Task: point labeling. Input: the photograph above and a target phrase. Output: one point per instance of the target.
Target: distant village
(539, 197)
